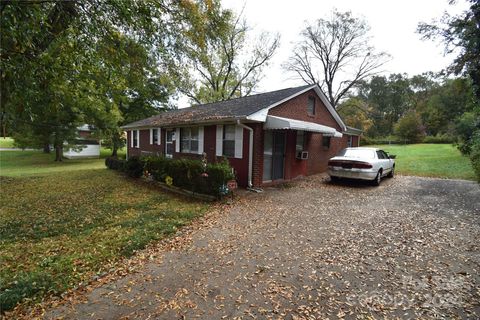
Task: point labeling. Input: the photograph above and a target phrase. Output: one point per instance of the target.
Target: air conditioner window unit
(303, 155)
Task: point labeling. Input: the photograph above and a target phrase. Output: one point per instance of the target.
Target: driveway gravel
(308, 250)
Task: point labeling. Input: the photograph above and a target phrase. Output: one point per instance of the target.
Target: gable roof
(250, 108)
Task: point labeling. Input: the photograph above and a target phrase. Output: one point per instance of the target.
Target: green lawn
(61, 224)
(28, 163)
(431, 160)
(6, 142)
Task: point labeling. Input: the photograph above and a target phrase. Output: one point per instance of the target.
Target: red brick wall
(239, 165)
(145, 143)
(293, 167)
(296, 108)
(257, 153)
(318, 155)
(355, 141)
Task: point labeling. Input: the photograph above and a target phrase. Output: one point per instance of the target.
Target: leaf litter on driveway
(406, 249)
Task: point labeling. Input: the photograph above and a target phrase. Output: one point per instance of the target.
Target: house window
(350, 141)
(189, 140)
(155, 136)
(229, 140)
(300, 141)
(311, 106)
(135, 135)
(326, 142)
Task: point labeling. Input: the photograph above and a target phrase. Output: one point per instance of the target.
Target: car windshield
(357, 153)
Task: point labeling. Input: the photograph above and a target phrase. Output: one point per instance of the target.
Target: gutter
(250, 152)
(186, 124)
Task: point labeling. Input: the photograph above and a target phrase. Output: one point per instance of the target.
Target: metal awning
(279, 123)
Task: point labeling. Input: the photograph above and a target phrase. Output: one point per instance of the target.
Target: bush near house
(115, 163)
(192, 175)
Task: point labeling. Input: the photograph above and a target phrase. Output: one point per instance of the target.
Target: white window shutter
(177, 140)
(151, 136)
(138, 138)
(200, 140)
(131, 138)
(219, 144)
(238, 142)
(159, 136)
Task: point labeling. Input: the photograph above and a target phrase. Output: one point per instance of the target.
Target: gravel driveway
(312, 249)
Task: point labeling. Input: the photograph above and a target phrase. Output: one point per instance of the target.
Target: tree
(213, 60)
(462, 33)
(335, 53)
(409, 128)
(356, 113)
(58, 67)
(446, 103)
(389, 99)
(459, 33)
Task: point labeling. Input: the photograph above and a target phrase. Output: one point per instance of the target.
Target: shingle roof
(223, 110)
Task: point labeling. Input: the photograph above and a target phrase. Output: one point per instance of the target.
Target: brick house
(267, 138)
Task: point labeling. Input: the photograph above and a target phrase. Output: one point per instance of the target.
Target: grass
(431, 160)
(34, 163)
(61, 226)
(6, 142)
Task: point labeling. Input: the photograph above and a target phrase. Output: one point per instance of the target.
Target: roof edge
(261, 115)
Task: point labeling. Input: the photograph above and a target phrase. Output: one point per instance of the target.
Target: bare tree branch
(338, 48)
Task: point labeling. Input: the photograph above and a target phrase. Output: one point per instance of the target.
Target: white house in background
(91, 146)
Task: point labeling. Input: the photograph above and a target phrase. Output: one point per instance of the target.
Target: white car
(362, 163)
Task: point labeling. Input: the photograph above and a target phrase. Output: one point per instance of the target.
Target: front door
(169, 143)
(273, 155)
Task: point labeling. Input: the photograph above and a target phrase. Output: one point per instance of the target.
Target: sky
(393, 25)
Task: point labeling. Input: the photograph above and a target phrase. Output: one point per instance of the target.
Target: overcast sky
(393, 25)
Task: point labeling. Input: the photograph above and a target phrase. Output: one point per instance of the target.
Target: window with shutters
(229, 140)
(189, 140)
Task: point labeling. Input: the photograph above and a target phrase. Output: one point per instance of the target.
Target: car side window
(380, 154)
(385, 155)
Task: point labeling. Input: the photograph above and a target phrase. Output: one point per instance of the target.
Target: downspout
(126, 153)
(250, 152)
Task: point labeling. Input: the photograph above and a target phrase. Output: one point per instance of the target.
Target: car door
(383, 161)
(388, 163)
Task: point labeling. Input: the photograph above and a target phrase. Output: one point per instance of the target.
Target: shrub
(185, 173)
(189, 174)
(115, 163)
(218, 175)
(365, 141)
(156, 166)
(134, 167)
(475, 155)
(439, 138)
(410, 128)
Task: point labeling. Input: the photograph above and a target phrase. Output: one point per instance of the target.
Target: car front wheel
(392, 172)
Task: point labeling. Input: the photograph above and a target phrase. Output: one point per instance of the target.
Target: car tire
(378, 178)
(392, 172)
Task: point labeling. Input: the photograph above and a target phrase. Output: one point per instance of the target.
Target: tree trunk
(46, 148)
(58, 153)
(116, 143)
(114, 151)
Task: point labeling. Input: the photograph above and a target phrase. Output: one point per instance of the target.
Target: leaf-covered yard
(62, 228)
